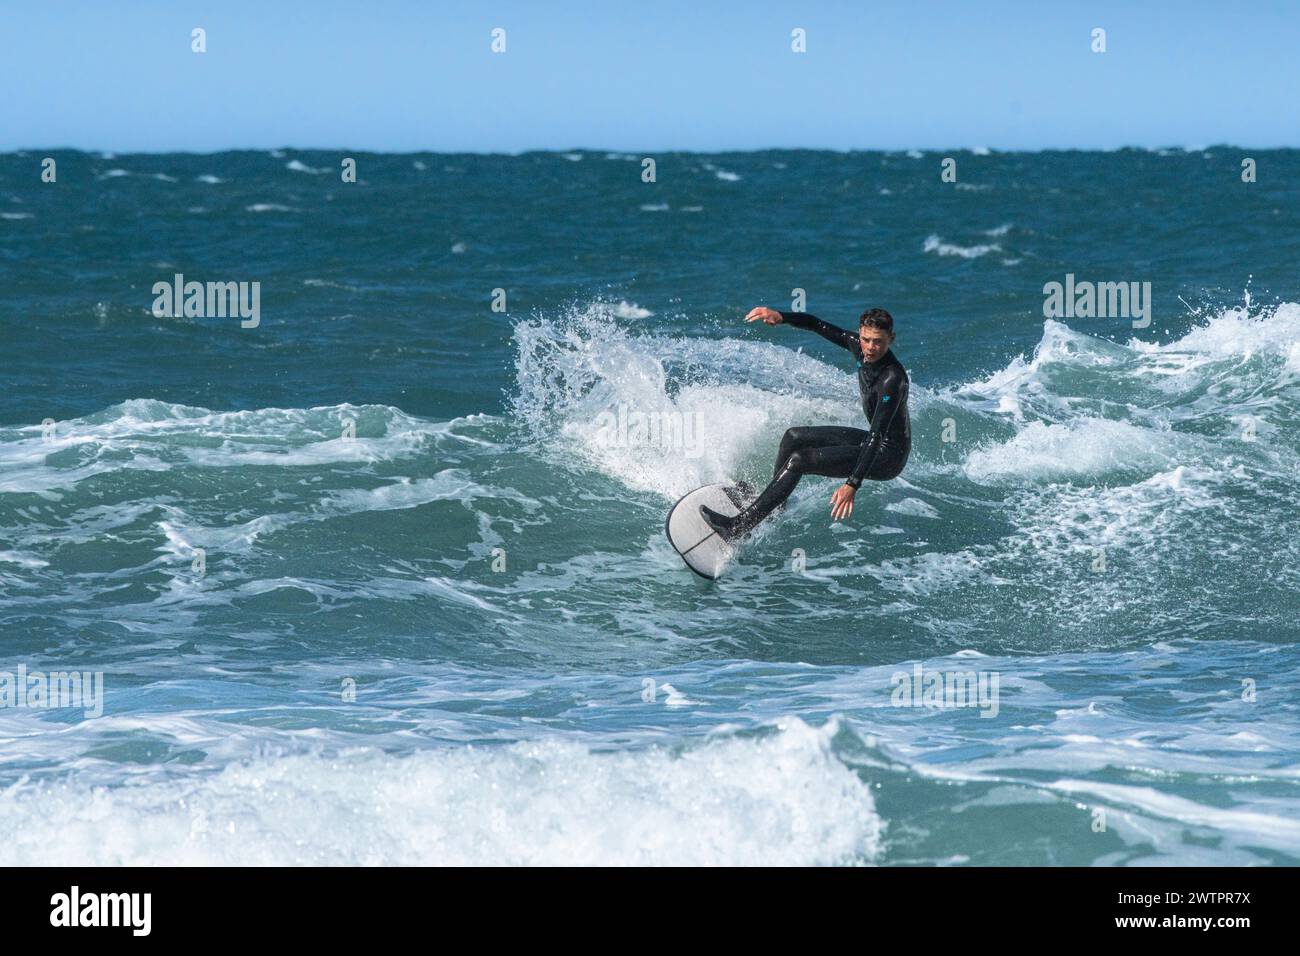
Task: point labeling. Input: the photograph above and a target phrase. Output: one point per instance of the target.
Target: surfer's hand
(770, 316)
(842, 502)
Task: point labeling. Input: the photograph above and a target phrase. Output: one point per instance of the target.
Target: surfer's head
(875, 333)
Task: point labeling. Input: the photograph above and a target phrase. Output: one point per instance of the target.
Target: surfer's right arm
(802, 320)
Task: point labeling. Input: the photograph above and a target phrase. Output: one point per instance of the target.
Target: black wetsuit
(837, 452)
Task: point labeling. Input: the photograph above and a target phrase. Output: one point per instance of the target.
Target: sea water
(383, 579)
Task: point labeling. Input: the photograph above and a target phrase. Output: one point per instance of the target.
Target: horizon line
(978, 149)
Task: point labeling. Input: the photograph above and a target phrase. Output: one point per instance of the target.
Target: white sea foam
(912, 506)
(1235, 333)
(449, 484)
(329, 284)
(778, 800)
(145, 434)
(935, 244)
(1245, 825)
(1024, 382)
(722, 173)
(929, 573)
(1088, 447)
(1233, 367)
(1134, 518)
(630, 310)
(23, 559)
(571, 372)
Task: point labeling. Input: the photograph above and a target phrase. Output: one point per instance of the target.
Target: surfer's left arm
(842, 502)
(893, 393)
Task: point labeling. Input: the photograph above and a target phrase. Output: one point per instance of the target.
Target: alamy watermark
(208, 300)
(946, 689)
(668, 429)
(75, 908)
(1098, 300)
(57, 689)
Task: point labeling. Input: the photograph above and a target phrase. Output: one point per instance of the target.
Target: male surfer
(849, 453)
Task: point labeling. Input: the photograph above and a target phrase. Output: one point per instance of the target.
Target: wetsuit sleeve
(841, 337)
(892, 397)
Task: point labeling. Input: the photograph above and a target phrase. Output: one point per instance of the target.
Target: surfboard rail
(699, 546)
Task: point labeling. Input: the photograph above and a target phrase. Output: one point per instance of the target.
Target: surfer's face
(874, 342)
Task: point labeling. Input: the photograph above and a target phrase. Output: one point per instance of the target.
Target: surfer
(837, 452)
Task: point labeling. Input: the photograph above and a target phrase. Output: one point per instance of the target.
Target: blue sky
(652, 75)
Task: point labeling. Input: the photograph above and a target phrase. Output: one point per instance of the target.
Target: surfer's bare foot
(720, 523)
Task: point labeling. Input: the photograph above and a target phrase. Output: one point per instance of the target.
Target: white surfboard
(701, 548)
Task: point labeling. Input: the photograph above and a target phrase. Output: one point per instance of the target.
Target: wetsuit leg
(806, 437)
(833, 461)
(814, 436)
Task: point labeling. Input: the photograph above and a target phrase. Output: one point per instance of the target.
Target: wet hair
(877, 319)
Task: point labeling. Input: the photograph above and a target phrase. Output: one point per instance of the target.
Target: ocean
(378, 575)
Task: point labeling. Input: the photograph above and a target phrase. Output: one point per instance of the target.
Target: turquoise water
(460, 636)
